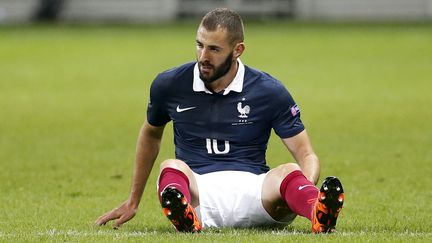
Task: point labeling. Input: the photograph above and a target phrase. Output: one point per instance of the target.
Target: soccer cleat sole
(328, 206)
(177, 209)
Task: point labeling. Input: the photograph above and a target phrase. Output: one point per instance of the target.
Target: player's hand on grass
(121, 214)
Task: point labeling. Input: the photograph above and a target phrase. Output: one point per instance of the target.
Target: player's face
(214, 54)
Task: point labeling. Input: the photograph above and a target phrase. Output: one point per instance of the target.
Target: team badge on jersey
(243, 110)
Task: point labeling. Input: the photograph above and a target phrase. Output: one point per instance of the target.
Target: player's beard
(218, 72)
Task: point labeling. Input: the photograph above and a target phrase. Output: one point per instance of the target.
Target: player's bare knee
(287, 168)
(173, 163)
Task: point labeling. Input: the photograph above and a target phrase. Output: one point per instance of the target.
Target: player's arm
(301, 149)
(148, 146)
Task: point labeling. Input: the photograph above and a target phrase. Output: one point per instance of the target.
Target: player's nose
(204, 55)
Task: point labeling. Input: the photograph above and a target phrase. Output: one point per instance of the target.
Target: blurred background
(139, 11)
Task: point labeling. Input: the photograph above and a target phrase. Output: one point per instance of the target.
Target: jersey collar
(236, 85)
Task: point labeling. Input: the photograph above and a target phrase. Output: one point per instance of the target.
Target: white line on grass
(357, 233)
(55, 232)
(117, 234)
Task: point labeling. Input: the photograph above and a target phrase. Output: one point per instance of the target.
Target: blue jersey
(227, 130)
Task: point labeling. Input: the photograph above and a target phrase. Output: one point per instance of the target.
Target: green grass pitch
(72, 100)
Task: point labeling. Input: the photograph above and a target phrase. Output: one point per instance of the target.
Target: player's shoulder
(178, 72)
(263, 80)
(270, 89)
(175, 75)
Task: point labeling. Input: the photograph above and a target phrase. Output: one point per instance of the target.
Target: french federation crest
(243, 110)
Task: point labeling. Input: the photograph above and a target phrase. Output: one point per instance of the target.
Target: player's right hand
(121, 214)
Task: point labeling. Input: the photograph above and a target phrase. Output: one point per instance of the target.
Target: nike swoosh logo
(178, 109)
(301, 187)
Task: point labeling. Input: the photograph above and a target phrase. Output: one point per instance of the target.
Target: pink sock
(175, 178)
(299, 193)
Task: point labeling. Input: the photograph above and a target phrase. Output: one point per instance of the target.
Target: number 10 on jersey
(212, 147)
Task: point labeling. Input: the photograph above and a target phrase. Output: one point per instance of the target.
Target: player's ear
(239, 49)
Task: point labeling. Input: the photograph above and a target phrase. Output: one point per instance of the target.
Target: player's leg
(285, 180)
(176, 171)
(178, 194)
(286, 190)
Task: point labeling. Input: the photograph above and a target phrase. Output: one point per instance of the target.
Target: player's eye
(214, 49)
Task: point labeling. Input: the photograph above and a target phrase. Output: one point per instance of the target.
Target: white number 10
(215, 149)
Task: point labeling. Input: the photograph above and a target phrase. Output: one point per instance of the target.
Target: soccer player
(223, 112)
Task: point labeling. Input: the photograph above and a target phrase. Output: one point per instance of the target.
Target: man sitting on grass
(223, 112)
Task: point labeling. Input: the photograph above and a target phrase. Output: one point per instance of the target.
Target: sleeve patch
(295, 110)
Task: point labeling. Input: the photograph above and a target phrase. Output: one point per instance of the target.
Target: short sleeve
(286, 121)
(157, 113)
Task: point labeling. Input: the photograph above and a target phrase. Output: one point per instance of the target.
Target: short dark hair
(227, 19)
